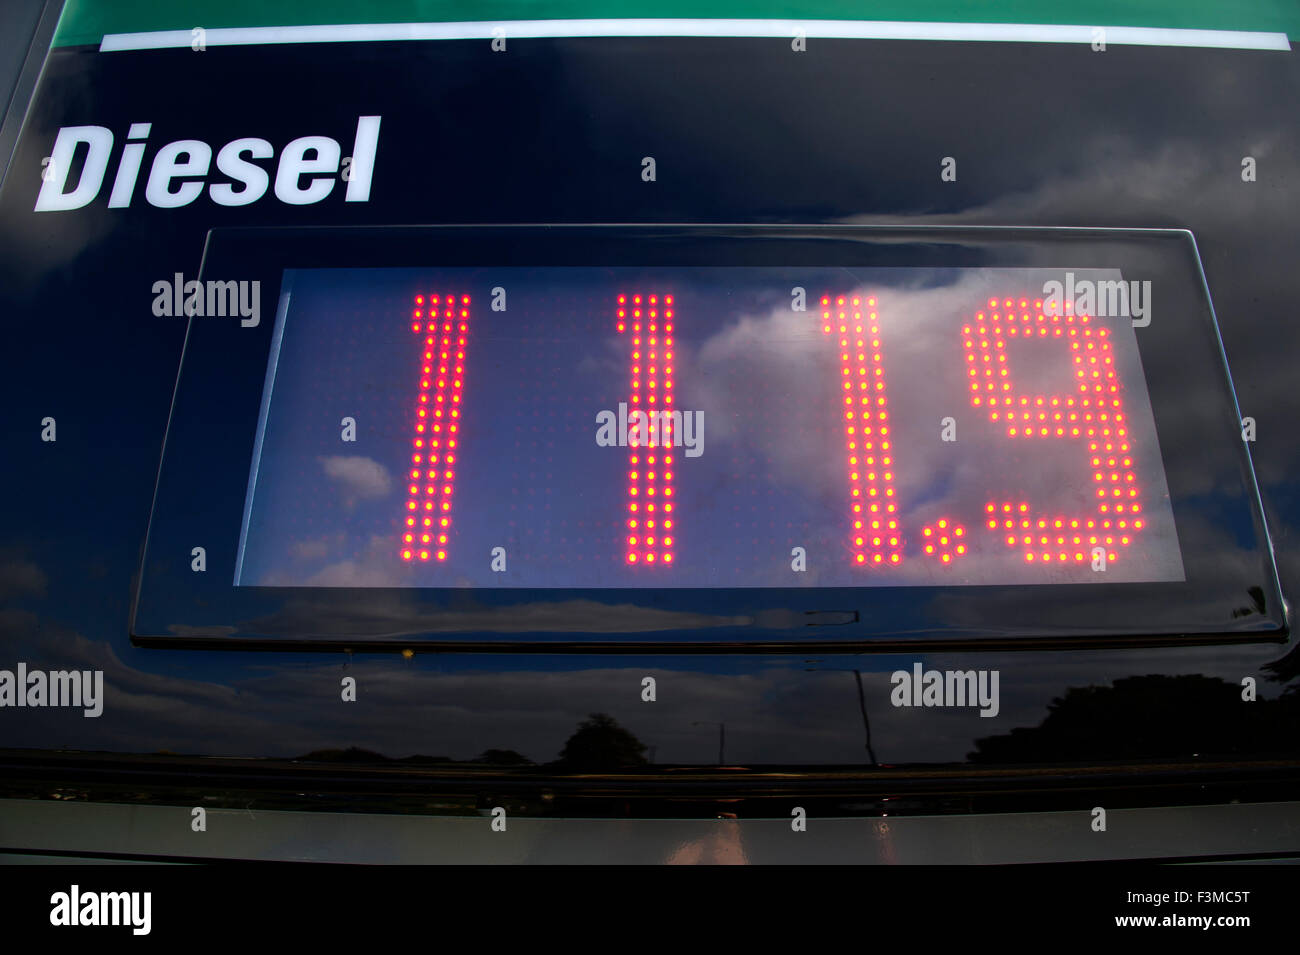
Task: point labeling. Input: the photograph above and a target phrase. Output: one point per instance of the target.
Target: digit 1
(873, 506)
(444, 326)
(651, 523)
(1093, 413)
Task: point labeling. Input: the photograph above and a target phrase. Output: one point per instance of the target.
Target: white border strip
(813, 29)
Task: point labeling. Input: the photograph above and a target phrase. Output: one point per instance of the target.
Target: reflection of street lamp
(862, 705)
(722, 737)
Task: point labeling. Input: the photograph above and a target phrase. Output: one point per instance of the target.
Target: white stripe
(813, 29)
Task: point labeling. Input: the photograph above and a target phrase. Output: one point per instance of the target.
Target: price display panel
(719, 434)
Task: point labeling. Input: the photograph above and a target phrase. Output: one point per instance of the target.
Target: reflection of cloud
(372, 567)
(276, 705)
(315, 548)
(1136, 181)
(1130, 182)
(405, 614)
(770, 361)
(188, 630)
(362, 477)
(307, 555)
(21, 578)
(771, 384)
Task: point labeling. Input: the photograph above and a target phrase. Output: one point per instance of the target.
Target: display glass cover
(715, 436)
(706, 427)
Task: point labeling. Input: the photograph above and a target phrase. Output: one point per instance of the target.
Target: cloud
(361, 477)
(769, 382)
(316, 548)
(21, 578)
(797, 712)
(406, 614)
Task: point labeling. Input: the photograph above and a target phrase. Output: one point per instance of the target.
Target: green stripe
(87, 21)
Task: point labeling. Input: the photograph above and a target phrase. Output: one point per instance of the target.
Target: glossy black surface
(743, 131)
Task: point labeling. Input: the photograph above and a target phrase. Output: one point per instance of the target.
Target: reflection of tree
(1285, 669)
(1256, 603)
(353, 754)
(1147, 716)
(599, 743)
(503, 757)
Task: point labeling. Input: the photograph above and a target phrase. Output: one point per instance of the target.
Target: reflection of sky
(772, 476)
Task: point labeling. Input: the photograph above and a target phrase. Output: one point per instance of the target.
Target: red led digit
(443, 324)
(651, 524)
(944, 540)
(873, 507)
(1091, 413)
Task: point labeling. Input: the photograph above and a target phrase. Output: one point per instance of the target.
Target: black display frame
(200, 496)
